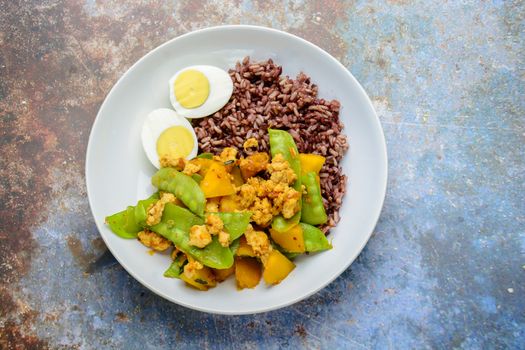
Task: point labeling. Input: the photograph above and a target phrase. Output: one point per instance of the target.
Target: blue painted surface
(445, 267)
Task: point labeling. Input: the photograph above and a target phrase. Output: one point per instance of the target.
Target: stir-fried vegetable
(205, 211)
(313, 211)
(182, 186)
(282, 143)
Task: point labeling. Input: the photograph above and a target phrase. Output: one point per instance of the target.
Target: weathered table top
(446, 264)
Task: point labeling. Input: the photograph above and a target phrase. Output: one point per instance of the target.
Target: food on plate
(218, 226)
(266, 186)
(166, 135)
(265, 98)
(199, 91)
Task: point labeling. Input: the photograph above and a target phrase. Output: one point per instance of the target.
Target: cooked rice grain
(262, 98)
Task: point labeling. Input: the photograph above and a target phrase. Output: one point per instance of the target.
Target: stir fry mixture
(224, 215)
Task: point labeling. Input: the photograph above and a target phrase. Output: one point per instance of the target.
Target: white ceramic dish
(118, 172)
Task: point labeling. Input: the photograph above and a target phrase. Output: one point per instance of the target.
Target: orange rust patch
(11, 337)
(301, 331)
(121, 317)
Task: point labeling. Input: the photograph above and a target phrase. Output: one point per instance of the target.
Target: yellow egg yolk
(175, 142)
(191, 88)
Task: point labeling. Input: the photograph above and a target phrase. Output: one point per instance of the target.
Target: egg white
(156, 122)
(221, 89)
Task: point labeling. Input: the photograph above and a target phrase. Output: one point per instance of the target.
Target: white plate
(118, 172)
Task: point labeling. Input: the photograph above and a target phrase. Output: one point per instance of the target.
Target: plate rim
(341, 268)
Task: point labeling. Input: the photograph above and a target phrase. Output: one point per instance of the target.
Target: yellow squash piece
(277, 268)
(244, 248)
(229, 204)
(247, 272)
(202, 279)
(237, 177)
(204, 163)
(311, 162)
(292, 240)
(253, 164)
(217, 182)
(223, 274)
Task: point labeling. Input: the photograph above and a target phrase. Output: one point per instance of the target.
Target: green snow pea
(314, 239)
(290, 256)
(312, 211)
(235, 223)
(120, 224)
(180, 218)
(281, 224)
(182, 186)
(175, 225)
(235, 245)
(197, 178)
(205, 155)
(283, 143)
(129, 222)
(176, 267)
(141, 209)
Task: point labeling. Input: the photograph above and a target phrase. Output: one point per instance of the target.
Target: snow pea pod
(205, 155)
(283, 143)
(118, 223)
(176, 267)
(175, 225)
(235, 223)
(180, 218)
(314, 239)
(129, 222)
(197, 178)
(182, 186)
(235, 245)
(281, 224)
(312, 211)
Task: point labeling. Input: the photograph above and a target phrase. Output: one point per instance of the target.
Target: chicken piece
(280, 171)
(155, 213)
(191, 268)
(253, 164)
(212, 204)
(214, 224)
(156, 209)
(153, 240)
(261, 189)
(250, 143)
(259, 242)
(246, 195)
(169, 162)
(290, 203)
(224, 239)
(190, 169)
(173, 199)
(168, 197)
(261, 211)
(285, 200)
(199, 236)
(227, 154)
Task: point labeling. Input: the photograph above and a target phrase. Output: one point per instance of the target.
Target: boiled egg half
(167, 134)
(199, 91)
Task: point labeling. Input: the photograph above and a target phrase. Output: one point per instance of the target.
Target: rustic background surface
(446, 265)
